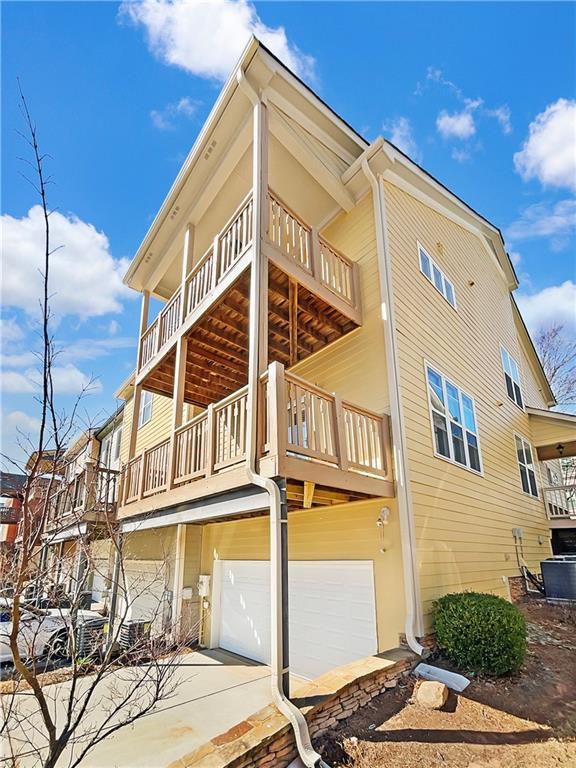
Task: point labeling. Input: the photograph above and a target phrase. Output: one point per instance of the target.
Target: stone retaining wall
(266, 739)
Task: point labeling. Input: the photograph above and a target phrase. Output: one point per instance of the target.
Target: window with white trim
(526, 466)
(145, 413)
(434, 274)
(512, 376)
(454, 424)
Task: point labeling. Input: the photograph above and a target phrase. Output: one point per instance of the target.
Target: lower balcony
(560, 502)
(328, 450)
(90, 496)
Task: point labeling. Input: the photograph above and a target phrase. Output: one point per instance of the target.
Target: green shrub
(481, 633)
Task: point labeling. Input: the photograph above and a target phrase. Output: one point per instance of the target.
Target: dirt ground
(527, 721)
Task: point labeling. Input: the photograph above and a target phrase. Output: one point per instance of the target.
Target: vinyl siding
(156, 430)
(463, 521)
(355, 366)
(344, 532)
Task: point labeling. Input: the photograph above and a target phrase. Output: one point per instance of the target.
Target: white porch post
(178, 581)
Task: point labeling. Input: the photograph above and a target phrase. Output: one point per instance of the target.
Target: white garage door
(332, 612)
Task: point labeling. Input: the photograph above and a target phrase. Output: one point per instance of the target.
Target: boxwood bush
(480, 632)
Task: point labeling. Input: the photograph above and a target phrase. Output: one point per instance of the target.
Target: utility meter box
(203, 585)
(187, 593)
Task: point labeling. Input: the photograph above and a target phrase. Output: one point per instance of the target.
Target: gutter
(278, 510)
(407, 532)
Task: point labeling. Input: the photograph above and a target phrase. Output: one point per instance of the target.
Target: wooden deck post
(276, 411)
(210, 437)
(137, 387)
(340, 434)
(293, 320)
(316, 261)
(177, 404)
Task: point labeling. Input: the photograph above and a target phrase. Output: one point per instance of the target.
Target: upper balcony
(313, 299)
(330, 451)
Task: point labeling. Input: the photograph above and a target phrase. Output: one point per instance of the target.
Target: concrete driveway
(215, 691)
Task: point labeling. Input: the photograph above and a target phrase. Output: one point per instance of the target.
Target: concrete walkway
(215, 691)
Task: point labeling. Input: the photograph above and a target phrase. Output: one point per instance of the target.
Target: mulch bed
(525, 721)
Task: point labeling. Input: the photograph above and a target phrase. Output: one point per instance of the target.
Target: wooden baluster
(209, 456)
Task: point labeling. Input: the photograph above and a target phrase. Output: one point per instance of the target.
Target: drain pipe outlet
(404, 500)
(308, 755)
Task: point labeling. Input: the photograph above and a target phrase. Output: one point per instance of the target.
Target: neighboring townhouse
(80, 521)
(11, 493)
(338, 413)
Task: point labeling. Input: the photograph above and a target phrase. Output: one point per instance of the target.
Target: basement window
(454, 425)
(526, 466)
(436, 276)
(512, 377)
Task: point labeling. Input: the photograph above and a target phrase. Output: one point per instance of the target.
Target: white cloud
(515, 258)
(556, 221)
(165, 119)
(503, 115)
(113, 327)
(459, 125)
(555, 304)
(10, 330)
(207, 38)
(18, 360)
(67, 380)
(460, 155)
(85, 280)
(19, 383)
(19, 433)
(401, 135)
(549, 152)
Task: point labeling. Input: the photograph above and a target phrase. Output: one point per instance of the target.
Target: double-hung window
(454, 424)
(432, 271)
(512, 376)
(145, 413)
(526, 466)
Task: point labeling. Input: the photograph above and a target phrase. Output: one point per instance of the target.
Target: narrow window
(526, 466)
(512, 377)
(453, 422)
(436, 276)
(145, 413)
(425, 264)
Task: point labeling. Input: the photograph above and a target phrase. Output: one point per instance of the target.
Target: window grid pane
(453, 439)
(437, 277)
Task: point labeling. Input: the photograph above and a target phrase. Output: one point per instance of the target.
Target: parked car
(42, 633)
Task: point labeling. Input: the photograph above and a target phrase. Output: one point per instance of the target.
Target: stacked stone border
(266, 739)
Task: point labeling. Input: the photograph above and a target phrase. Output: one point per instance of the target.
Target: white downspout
(308, 755)
(407, 533)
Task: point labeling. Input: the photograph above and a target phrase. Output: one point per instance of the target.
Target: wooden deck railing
(228, 246)
(92, 490)
(560, 501)
(299, 420)
(303, 245)
(287, 232)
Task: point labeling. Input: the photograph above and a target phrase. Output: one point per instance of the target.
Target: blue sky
(481, 94)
